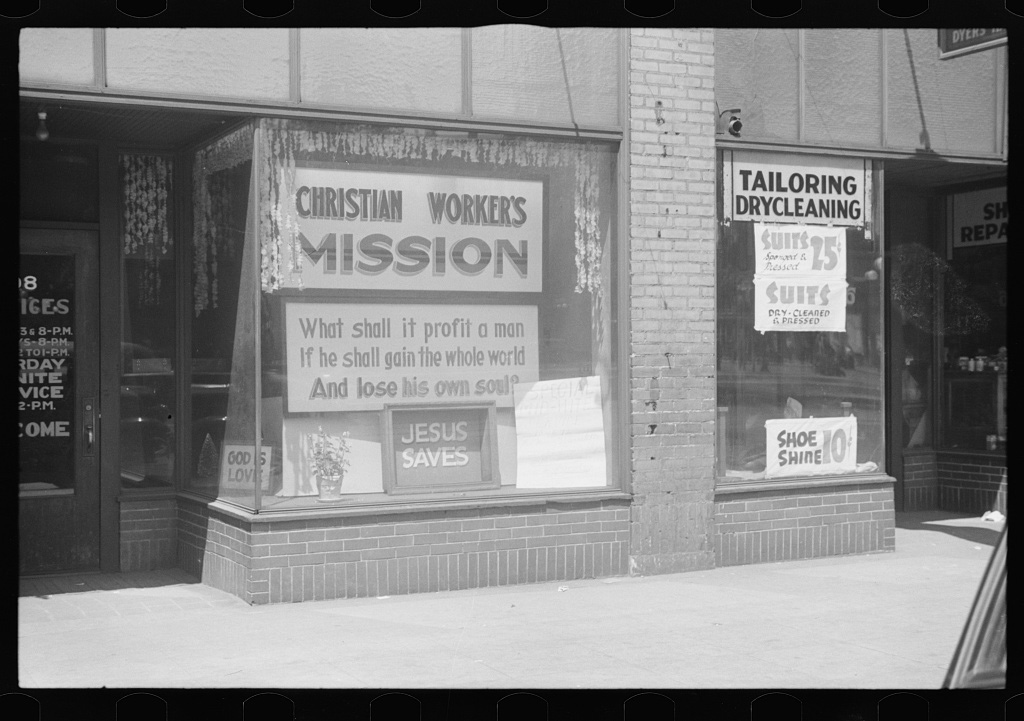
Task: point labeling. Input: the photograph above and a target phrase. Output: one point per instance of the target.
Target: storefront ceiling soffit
(936, 173)
(129, 126)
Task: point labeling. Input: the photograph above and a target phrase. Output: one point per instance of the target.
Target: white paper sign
(811, 446)
(238, 466)
(799, 278)
(560, 434)
(799, 304)
(405, 231)
(799, 250)
(354, 356)
(784, 188)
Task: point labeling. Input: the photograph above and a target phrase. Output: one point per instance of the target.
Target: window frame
(616, 391)
(874, 227)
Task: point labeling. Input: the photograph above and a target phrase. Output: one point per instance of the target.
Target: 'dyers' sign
(811, 446)
(978, 218)
(960, 41)
(795, 188)
(400, 231)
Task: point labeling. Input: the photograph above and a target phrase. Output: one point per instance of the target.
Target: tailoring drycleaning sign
(811, 446)
(778, 188)
(978, 218)
(799, 278)
(403, 231)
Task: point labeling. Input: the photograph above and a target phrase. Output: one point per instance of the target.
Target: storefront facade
(868, 139)
(489, 268)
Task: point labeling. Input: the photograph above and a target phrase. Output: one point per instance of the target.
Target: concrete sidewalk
(887, 620)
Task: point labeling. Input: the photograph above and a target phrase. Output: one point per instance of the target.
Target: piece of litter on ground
(381, 598)
(993, 516)
(563, 588)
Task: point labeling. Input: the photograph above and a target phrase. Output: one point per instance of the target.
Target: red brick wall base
(972, 482)
(777, 525)
(354, 556)
(920, 481)
(148, 534)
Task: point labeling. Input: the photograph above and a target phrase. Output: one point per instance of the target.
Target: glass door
(58, 393)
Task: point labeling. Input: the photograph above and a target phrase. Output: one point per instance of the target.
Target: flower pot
(330, 488)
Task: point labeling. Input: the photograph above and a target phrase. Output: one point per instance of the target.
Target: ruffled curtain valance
(145, 189)
(285, 142)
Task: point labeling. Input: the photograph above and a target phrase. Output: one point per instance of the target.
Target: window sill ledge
(133, 495)
(946, 452)
(343, 509)
(723, 488)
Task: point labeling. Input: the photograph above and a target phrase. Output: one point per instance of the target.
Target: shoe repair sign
(799, 278)
(811, 446)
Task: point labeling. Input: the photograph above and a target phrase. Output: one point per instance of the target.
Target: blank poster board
(560, 434)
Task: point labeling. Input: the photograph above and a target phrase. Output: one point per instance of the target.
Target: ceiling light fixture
(41, 132)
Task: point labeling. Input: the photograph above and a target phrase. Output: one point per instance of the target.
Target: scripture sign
(978, 218)
(238, 467)
(796, 188)
(811, 446)
(560, 434)
(400, 231)
(438, 447)
(357, 357)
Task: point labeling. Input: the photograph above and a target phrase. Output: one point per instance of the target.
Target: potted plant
(329, 457)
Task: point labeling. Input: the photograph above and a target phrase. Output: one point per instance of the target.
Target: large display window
(974, 337)
(440, 306)
(800, 340)
(148, 323)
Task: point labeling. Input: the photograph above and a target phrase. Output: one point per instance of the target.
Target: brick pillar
(672, 297)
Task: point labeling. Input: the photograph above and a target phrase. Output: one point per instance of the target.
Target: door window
(46, 372)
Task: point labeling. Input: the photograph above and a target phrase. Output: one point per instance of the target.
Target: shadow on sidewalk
(45, 586)
(944, 522)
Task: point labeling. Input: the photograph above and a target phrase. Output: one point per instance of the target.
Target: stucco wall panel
(843, 103)
(393, 69)
(954, 99)
(517, 74)
(242, 63)
(756, 71)
(56, 55)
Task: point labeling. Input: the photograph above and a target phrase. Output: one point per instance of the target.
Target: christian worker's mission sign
(404, 231)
